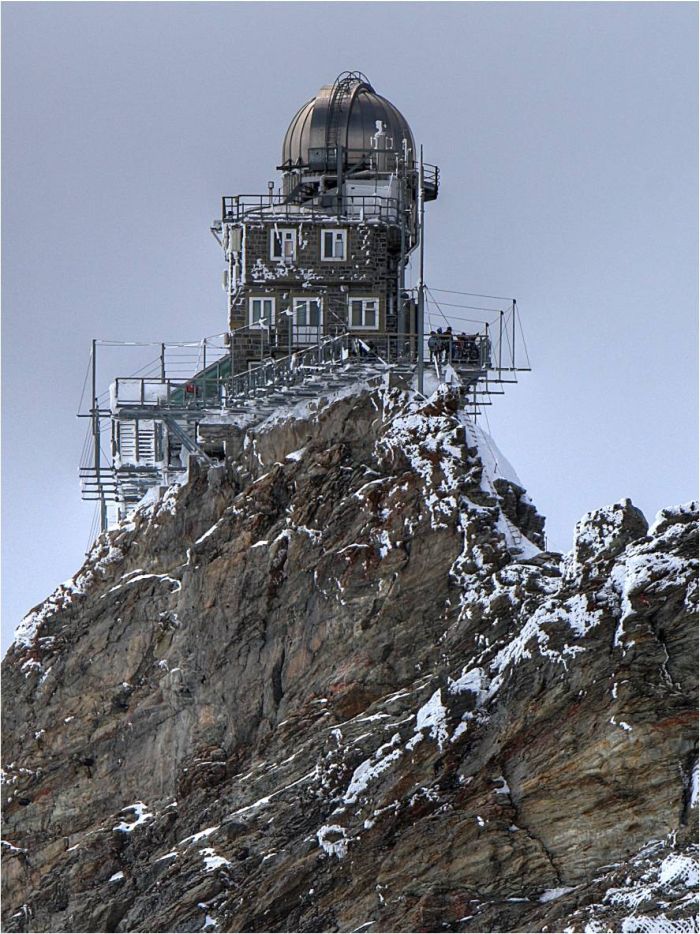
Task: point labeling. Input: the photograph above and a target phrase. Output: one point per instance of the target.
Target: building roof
(344, 113)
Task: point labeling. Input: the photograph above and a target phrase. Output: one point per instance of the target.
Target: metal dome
(345, 113)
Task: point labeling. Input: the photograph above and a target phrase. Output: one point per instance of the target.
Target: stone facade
(368, 271)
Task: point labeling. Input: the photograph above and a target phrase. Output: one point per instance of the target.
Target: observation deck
(156, 420)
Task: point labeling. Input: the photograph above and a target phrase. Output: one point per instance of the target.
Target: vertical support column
(500, 343)
(513, 347)
(339, 177)
(96, 440)
(231, 361)
(403, 325)
(421, 282)
(232, 278)
(162, 362)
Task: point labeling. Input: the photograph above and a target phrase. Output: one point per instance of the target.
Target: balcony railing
(272, 207)
(381, 161)
(217, 388)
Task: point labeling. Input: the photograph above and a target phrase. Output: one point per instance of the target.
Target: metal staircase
(157, 423)
(138, 442)
(303, 191)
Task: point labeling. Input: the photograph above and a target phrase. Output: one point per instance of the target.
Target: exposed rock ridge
(336, 685)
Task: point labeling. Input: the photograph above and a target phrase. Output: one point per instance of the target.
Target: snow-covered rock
(356, 694)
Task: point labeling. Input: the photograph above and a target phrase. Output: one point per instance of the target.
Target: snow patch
(212, 860)
(471, 680)
(431, 716)
(141, 814)
(694, 785)
(367, 771)
(550, 894)
(337, 847)
(679, 869)
(200, 835)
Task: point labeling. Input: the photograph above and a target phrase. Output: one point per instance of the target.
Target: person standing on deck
(433, 346)
(447, 346)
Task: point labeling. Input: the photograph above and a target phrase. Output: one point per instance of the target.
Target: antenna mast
(421, 280)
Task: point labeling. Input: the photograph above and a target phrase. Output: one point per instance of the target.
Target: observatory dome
(346, 113)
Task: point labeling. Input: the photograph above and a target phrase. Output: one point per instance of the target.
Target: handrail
(355, 207)
(350, 155)
(216, 387)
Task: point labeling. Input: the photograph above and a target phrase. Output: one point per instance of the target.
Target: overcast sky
(567, 140)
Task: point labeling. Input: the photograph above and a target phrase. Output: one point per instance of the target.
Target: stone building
(326, 252)
(317, 300)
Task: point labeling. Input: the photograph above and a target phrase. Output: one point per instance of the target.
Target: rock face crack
(277, 691)
(549, 856)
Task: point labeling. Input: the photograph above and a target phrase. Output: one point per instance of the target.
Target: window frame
(306, 334)
(334, 230)
(261, 298)
(307, 299)
(364, 299)
(277, 233)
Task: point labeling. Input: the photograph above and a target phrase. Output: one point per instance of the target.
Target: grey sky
(567, 140)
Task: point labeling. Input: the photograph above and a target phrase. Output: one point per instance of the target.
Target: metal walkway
(156, 422)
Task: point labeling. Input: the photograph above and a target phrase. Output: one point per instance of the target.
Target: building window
(283, 244)
(308, 320)
(307, 312)
(334, 245)
(261, 312)
(364, 313)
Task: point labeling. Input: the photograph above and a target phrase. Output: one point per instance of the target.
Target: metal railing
(151, 392)
(431, 181)
(217, 388)
(160, 391)
(293, 369)
(470, 351)
(273, 207)
(382, 161)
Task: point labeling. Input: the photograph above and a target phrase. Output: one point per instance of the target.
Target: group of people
(445, 347)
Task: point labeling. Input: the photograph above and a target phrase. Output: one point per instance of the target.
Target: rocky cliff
(336, 685)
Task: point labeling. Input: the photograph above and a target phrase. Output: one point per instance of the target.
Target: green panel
(205, 384)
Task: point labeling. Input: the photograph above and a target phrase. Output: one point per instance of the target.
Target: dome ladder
(344, 89)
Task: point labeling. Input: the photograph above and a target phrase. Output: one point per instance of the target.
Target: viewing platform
(180, 406)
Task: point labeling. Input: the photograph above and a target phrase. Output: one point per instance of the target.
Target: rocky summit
(337, 684)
